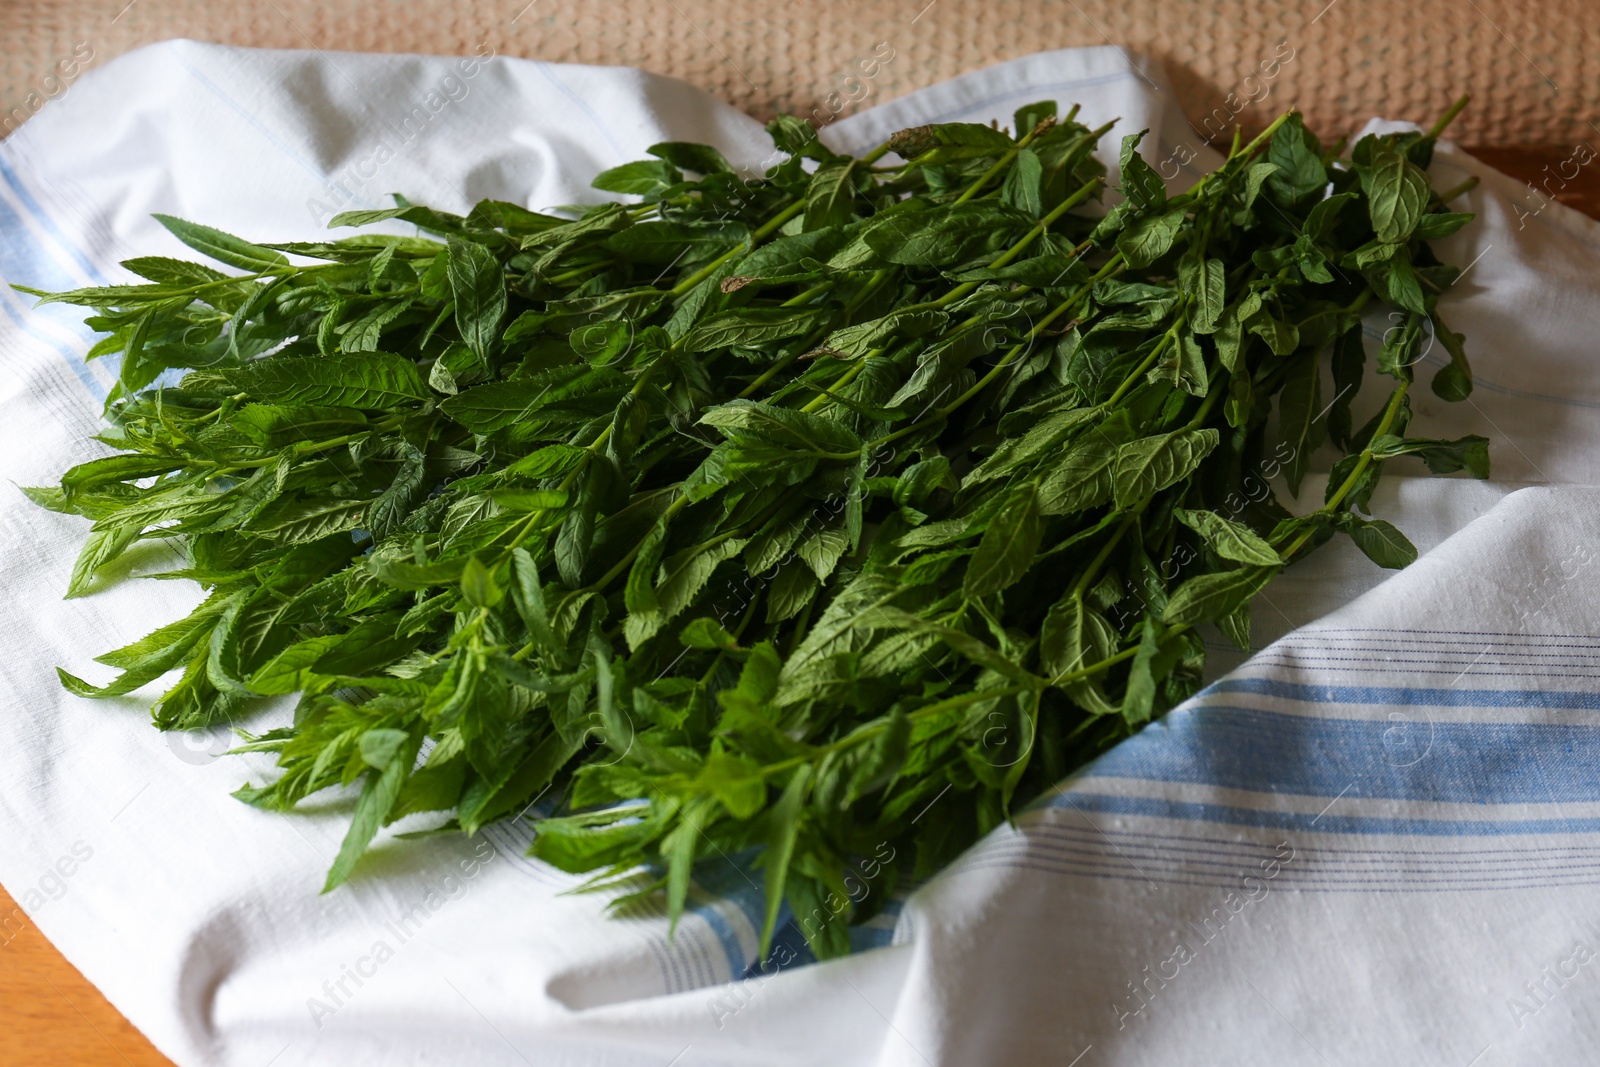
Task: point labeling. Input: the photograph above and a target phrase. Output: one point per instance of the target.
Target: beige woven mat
(1533, 68)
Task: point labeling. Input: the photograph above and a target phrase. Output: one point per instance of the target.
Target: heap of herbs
(850, 506)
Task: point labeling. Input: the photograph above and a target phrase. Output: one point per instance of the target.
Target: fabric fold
(1369, 843)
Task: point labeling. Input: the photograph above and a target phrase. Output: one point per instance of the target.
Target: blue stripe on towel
(1327, 822)
(1447, 762)
(25, 262)
(1408, 696)
(26, 198)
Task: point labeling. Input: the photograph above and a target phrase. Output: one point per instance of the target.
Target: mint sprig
(828, 514)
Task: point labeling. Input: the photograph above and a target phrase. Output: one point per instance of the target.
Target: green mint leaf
(1208, 597)
(369, 380)
(478, 287)
(1147, 239)
(784, 829)
(1397, 195)
(1380, 541)
(1229, 539)
(1008, 546)
(1140, 183)
(378, 795)
(1147, 466)
(703, 159)
(224, 247)
(830, 198)
(641, 178)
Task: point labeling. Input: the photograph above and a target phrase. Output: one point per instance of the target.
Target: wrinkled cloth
(1373, 840)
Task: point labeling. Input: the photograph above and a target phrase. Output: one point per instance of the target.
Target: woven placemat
(1533, 68)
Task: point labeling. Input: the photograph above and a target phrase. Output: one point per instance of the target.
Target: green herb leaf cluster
(842, 509)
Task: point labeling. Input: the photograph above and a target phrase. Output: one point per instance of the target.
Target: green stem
(1110, 661)
(306, 448)
(1004, 161)
(767, 229)
(801, 623)
(1060, 309)
(528, 524)
(967, 287)
(737, 250)
(959, 291)
(1355, 305)
(1389, 415)
(1143, 368)
(1133, 379)
(627, 561)
(1039, 228)
(874, 155)
(866, 292)
(823, 397)
(1237, 153)
(579, 272)
(1213, 394)
(1448, 117)
(809, 295)
(1455, 191)
(1093, 570)
(873, 731)
(873, 285)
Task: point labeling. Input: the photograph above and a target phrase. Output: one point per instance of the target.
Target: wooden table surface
(51, 1016)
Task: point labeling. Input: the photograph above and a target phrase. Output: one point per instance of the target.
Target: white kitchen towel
(1373, 843)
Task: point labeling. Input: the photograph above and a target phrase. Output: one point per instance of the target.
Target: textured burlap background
(1533, 68)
